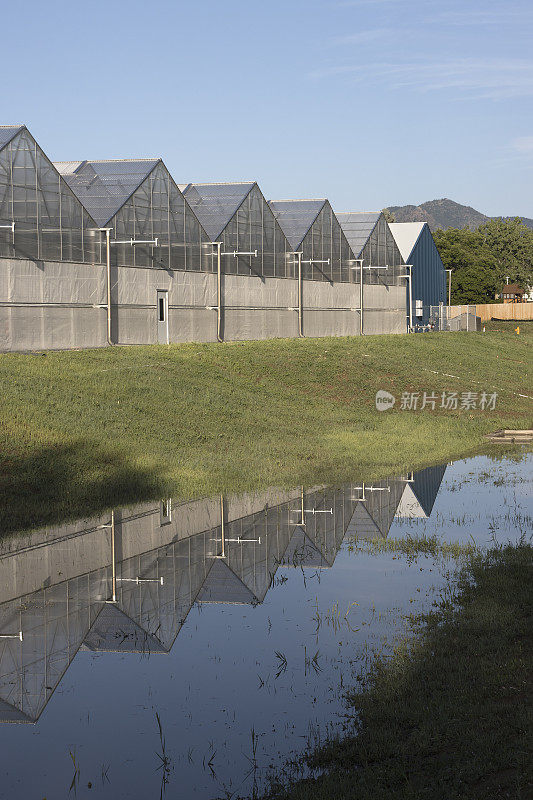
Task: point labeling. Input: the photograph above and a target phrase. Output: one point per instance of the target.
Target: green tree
(511, 244)
(389, 216)
(481, 259)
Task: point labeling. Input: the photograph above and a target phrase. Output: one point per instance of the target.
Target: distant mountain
(444, 213)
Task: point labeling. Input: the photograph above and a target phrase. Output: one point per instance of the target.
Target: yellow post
(517, 329)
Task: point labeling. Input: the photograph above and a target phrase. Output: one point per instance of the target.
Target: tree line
(482, 259)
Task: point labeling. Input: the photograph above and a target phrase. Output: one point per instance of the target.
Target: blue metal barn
(418, 248)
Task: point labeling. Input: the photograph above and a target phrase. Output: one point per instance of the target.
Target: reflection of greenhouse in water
(126, 582)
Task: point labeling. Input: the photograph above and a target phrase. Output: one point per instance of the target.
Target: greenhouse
(97, 253)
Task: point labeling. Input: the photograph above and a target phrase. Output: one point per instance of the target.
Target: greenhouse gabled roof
(104, 186)
(358, 227)
(8, 132)
(215, 204)
(406, 235)
(296, 217)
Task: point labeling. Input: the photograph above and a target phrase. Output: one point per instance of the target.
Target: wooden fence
(514, 311)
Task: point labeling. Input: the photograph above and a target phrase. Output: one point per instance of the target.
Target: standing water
(193, 648)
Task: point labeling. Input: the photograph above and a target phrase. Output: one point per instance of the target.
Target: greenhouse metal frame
(40, 216)
(116, 252)
(313, 229)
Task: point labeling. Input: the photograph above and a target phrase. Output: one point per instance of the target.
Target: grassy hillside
(87, 429)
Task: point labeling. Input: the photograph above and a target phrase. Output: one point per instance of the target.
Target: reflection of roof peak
(302, 551)
(10, 713)
(223, 585)
(363, 524)
(114, 631)
(425, 486)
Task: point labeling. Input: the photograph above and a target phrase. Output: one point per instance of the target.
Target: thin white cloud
(506, 15)
(523, 145)
(362, 37)
(353, 3)
(496, 78)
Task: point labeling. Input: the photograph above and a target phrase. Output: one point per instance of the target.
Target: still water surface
(238, 622)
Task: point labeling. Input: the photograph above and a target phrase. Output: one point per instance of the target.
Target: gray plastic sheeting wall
(62, 305)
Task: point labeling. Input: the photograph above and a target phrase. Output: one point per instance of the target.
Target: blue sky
(366, 102)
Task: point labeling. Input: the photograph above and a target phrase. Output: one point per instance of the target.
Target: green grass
(509, 326)
(412, 547)
(84, 430)
(449, 715)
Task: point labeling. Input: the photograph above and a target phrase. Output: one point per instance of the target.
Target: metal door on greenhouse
(162, 317)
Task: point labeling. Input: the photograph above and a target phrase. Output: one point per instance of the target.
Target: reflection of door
(162, 317)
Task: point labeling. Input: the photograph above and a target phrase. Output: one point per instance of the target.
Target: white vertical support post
(218, 246)
(360, 262)
(108, 282)
(411, 296)
(298, 254)
(300, 296)
(111, 527)
(361, 298)
(222, 554)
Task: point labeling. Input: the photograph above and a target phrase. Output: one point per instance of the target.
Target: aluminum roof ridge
(111, 160)
(359, 212)
(301, 200)
(220, 183)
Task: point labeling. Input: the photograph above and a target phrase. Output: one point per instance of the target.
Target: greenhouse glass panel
(139, 200)
(313, 229)
(370, 238)
(40, 216)
(239, 216)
